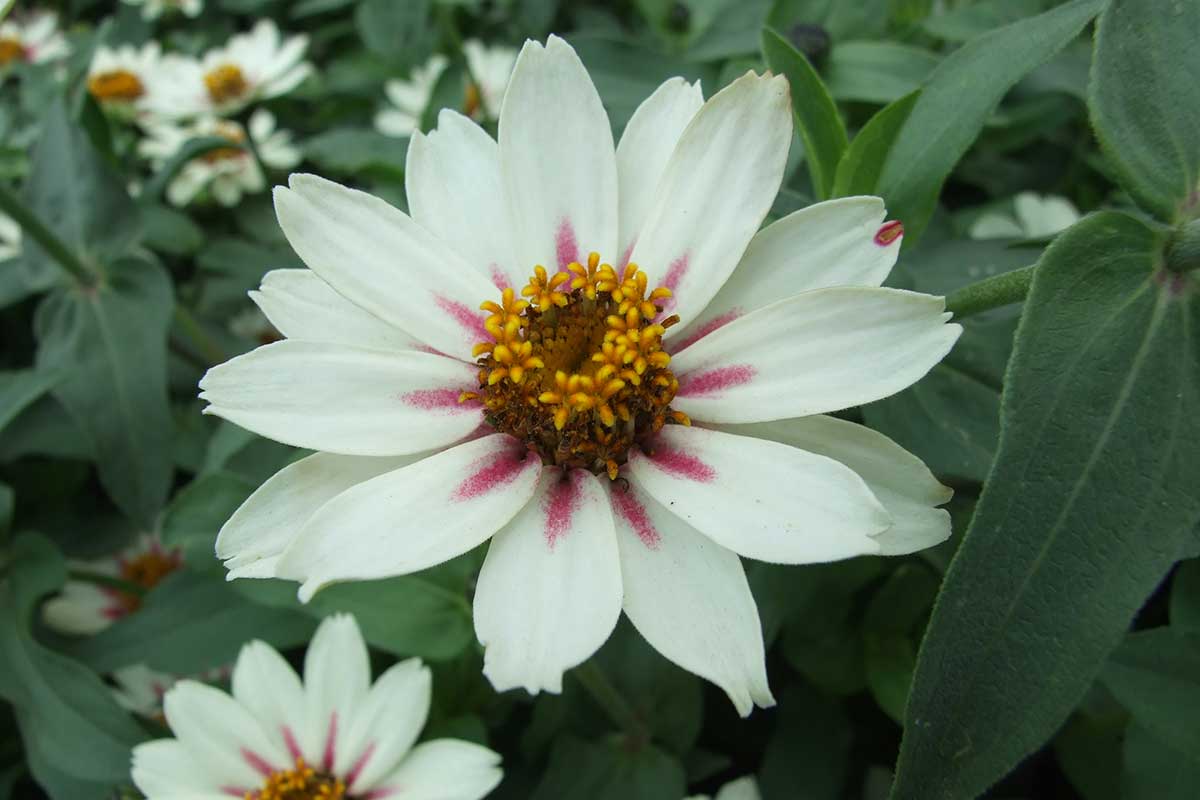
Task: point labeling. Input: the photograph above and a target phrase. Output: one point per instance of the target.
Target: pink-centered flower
(333, 736)
(626, 416)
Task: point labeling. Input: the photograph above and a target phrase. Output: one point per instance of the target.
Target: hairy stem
(993, 292)
(34, 228)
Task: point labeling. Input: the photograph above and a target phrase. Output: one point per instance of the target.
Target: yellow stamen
(300, 783)
(226, 83)
(117, 85)
(11, 50)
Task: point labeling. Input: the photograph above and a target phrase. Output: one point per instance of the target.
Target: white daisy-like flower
(123, 79)
(227, 172)
(253, 66)
(10, 237)
(332, 736)
(33, 38)
(744, 788)
(86, 608)
(555, 421)
(153, 9)
(488, 68)
(140, 689)
(409, 98)
(1037, 216)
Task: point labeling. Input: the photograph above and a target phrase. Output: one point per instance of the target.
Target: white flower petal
(688, 596)
(841, 242)
(221, 735)
(80, 609)
(165, 768)
(345, 400)
(819, 351)
(905, 486)
(302, 306)
(445, 769)
(337, 676)
(386, 726)
(549, 593)
(645, 149)
(716, 190)
(378, 258)
(761, 499)
(557, 160)
(267, 686)
(414, 517)
(452, 178)
(252, 540)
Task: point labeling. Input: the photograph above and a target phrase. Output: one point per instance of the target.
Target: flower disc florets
(301, 783)
(575, 368)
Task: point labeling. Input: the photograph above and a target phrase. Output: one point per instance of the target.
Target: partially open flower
(334, 736)
(252, 66)
(525, 355)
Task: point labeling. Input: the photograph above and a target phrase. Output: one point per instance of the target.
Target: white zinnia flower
(332, 736)
(153, 9)
(10, 237)
(86, 608)
(441, 426)
(226, 173)
(123, 79)
(489, 70)
(1037, 217)
(34, 38)
(252, 66)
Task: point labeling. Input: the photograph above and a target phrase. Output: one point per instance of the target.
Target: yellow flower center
(117, 84)
(472, 99)
(576, 370)
(10, 50)
(225, 83)
(301, 783)
(146, 570)
(231, 132)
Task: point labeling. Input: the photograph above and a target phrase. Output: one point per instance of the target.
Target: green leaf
(609, 770)
(963, 23)
(1156, 771)
(75, 734)
(73, 190)
(353, 150)
(861, 164)
(8, 501)
(170, 231)
(877, 72)
(959, 97)
(1156, 675)
(1090, 501)
(890, 630)
(411, 615)
(816, 116)
(1145, 101)
(20, 388)
(390, 29)
(109, 341)
(809, 747)
(1185, 597)
(189, 623)
(200, 509)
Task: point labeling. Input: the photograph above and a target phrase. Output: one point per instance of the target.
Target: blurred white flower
(10, 237)
(123, 79)
(556, 422)
(152, 9)
(489, 69)
(252, 66)
(227, 172)
(33, 38)
(332, 736)
(744, 788)
(1037, 217)
(139, 689)
(86, 608)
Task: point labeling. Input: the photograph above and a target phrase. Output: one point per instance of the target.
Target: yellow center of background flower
(300, 783)
(234, 134)
(10, 50)
(117, 84)
(146, 570)
(225, 83)
(576, 369)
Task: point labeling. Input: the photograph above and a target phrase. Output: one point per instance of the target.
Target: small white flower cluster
(32, 38)
(176, 98)
(488, 70)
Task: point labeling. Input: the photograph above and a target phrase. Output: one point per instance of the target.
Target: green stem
(993, 292)
(609, 698)
(31, 225)
(209, 349)
(109, 581)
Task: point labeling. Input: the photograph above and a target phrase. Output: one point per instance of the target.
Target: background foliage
(1061, 643)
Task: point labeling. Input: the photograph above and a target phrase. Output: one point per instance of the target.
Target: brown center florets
(116, 85)
(226, 82)
(301, 783)
(11, 50)
(576, 370)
